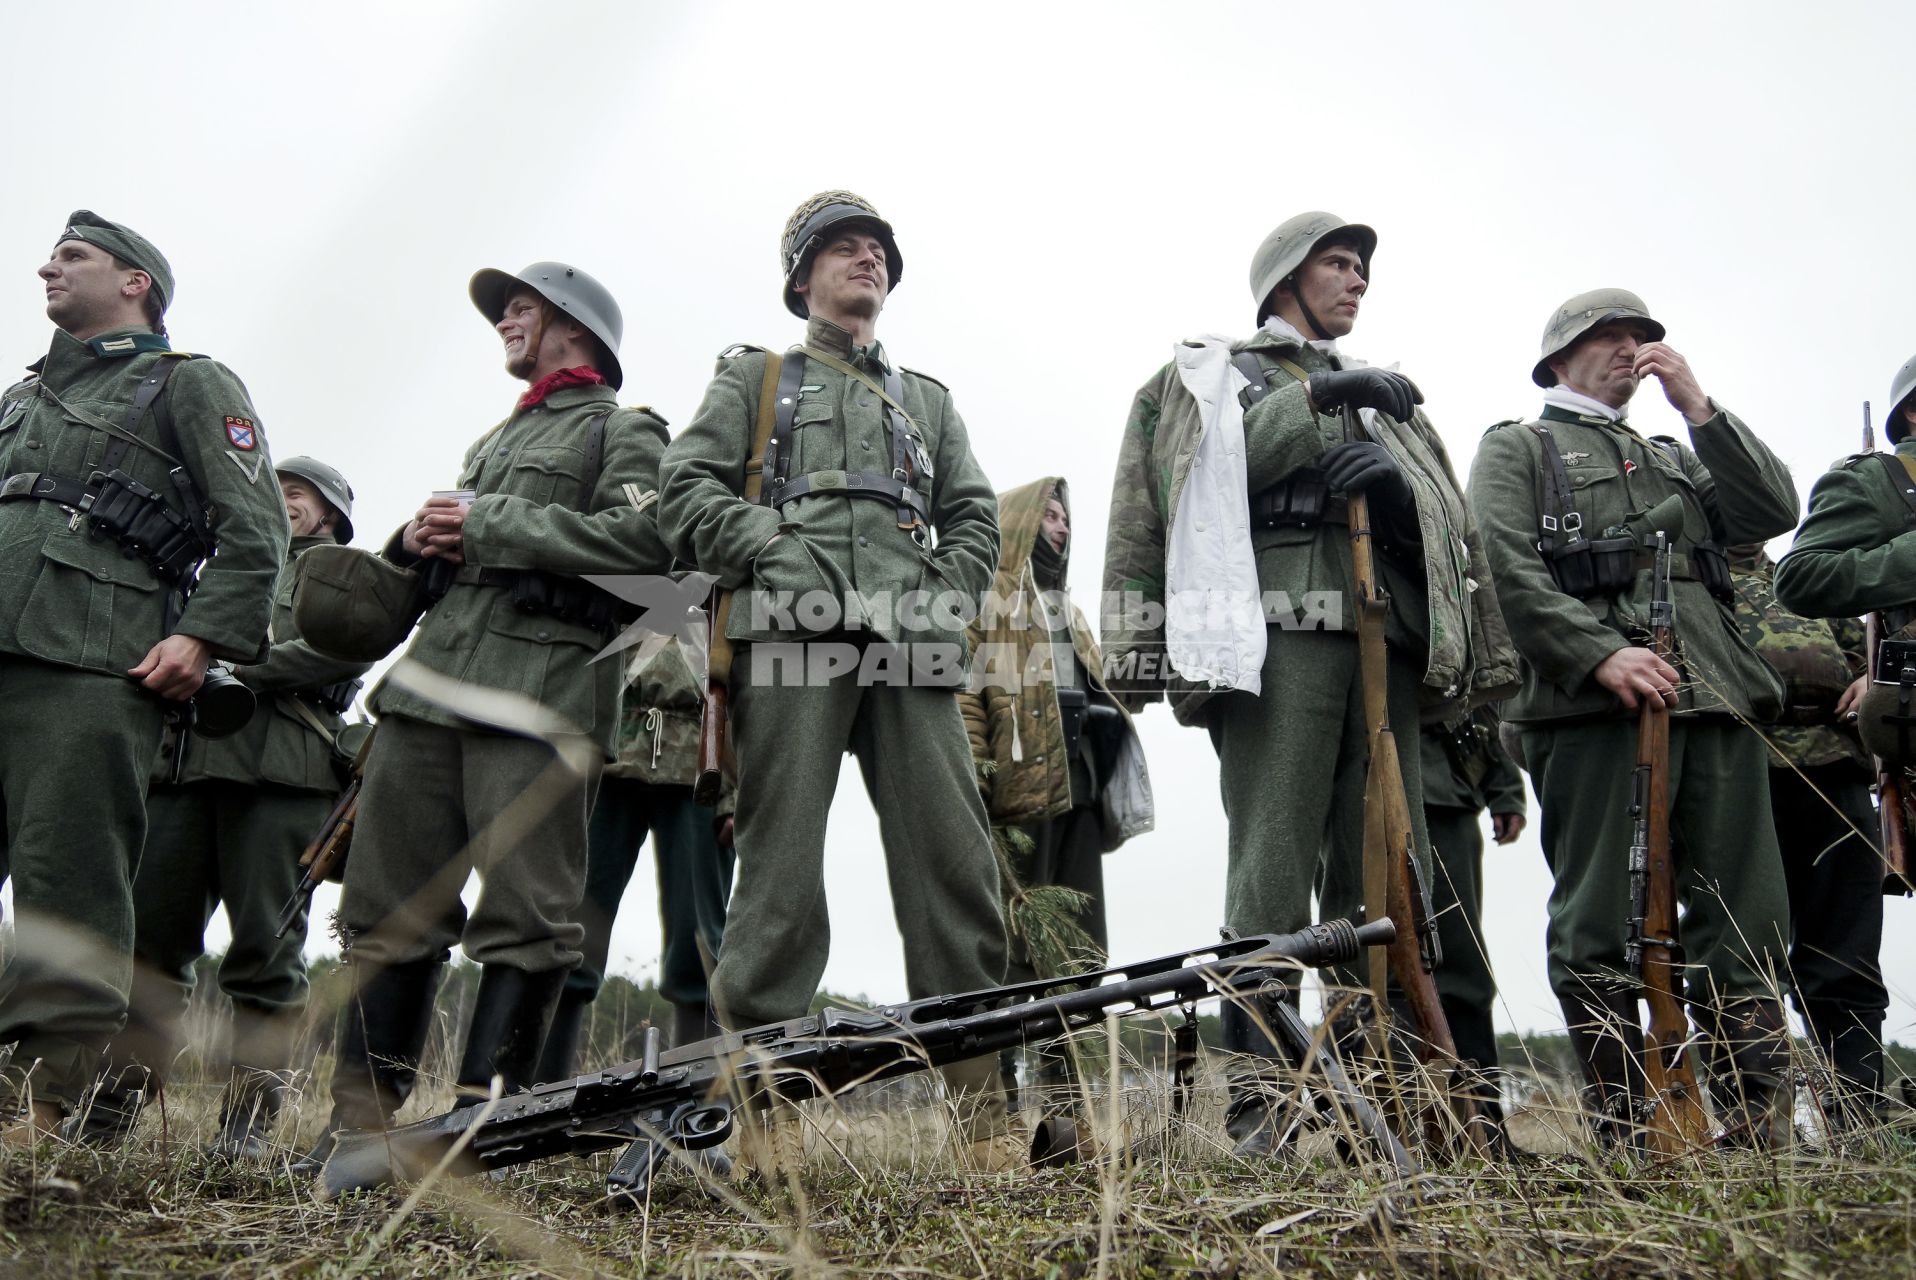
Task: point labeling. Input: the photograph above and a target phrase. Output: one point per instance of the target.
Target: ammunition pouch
(1071, 712)
(1712, 569)
(1300, 499)
(1590, 567)
(144, 524)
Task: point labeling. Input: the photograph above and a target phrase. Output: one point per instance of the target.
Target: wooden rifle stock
(1677, 1121)
(325, 858)
(1393, 881)
(1891, 788)
(717, 706)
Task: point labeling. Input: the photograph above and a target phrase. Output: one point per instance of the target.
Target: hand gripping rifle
(1676, 1118)
(325, 857)
(686, 1097)
(1394, 885)
(1891, 784)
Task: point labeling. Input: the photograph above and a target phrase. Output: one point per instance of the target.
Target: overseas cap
(332, 486)
(1285, 249)
(1582, 314)
(1900, 391)
(565, 287)
(808, 227)
(125, 244)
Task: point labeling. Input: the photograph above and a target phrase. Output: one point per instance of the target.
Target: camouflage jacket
(1815, 658)
(1465, 766)
(1443, 607)
(283, 744)
(531, 512)
(1856, 551)
(1011, 706)
(67, 594)
(832, 545)
(1730, 488)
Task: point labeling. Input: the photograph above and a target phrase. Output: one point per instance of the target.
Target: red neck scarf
(581, 376)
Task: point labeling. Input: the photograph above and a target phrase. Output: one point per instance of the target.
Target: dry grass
(882, 1197)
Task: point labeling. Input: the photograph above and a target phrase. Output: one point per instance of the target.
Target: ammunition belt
(1301, 499)
(117, 506)
(556, 595)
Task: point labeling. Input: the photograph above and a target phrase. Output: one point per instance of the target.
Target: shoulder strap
(594, 454)
(1902, 478)
(143, 399)
(1559, 500)
(772, 442)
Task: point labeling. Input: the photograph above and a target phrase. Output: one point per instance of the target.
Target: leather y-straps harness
(781, 488)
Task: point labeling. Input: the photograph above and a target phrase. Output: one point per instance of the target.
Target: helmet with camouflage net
(1285, 249)
(332, 486)
(810, 224)
(1902, 393)
(1582, 314)
(567, 288)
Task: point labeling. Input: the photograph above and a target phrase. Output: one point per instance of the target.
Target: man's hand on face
(1661, 361)
(174, 668)
(1637, 672)
(1379, 389)
(438, 530)
(1506, 827)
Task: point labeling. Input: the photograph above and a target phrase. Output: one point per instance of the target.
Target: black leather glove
(1359, 466)
(1378, 389)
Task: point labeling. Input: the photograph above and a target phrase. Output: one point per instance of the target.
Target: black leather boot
(1608, 1042)
(510, 1017)
(254, 1098)
(110, 1109)
(559, 1059)
(692, 1023)
(1852, 1039)
(386, 1022)
(1260, 1119)
(1749, 1066)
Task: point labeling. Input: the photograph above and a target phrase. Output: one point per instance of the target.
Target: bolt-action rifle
(1676, 1118)
(1891, 783)
(684, 1098)
(1394, 885)
(325, 857)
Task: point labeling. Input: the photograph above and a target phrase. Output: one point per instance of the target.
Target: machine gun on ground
(685, 1097)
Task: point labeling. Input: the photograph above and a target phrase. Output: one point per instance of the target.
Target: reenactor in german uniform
(1465, 771)
(647, 789)
(125, 463)
(1278, 685)
(870, 492)
(1570, 503)
(1819, 797)
(1061, 767)
(227, 819)
(565, 486)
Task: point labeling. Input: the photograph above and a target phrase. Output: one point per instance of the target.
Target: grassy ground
(881, 1196)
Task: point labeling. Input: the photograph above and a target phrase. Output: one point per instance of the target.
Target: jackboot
(1852, 1040)
(110, 1109)
(510, 1016)
(248, 1111)
(386, 1022)
(1608, 1042)
(692, 1023)
(1749, 1071)
(559, 1059)
(1261, 1116)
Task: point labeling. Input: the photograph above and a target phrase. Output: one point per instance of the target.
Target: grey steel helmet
(812, 221)
(332, 486)
(1900, 390)
(1285, 250)
(567, 288)
(1582, 314)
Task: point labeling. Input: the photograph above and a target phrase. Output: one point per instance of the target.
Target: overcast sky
(1073, 186)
